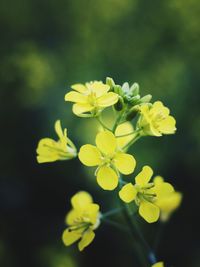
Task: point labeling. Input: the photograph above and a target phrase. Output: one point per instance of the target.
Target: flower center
(108, 159)
(145, 193)
(92, 99)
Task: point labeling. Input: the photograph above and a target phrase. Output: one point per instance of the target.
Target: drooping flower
(91, 98)
(146, 194)
(82, 220)
(109, 158)
(49, 150)
(155, 120)
(167, 204)
(158, 264)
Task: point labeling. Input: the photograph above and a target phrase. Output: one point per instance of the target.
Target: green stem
(137, 234)
(135, 138)
(158, 236)
(102, 124)
(117, 122)
(115, 224)
(111, 212)
(136, 244)
(123, 135)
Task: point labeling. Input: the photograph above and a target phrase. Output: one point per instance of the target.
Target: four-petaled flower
(146, 195)
(155, 120)
(92, 97)
(109, 158)
(167, 204)
(82, 220)
(49, 150)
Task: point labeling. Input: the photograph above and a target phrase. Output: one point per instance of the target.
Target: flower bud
(135, 89)
(146, 99)
(120, 104)
(110, 82)
(132, 113)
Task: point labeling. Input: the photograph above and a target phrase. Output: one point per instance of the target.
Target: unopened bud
(146, 99)
(135, 99)
(132, 113)
(110, 82)
(120, 104)
(135, 89)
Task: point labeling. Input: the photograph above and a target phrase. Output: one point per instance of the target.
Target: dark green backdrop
(45, 47)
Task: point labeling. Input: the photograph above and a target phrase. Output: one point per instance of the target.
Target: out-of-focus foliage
(45, 47)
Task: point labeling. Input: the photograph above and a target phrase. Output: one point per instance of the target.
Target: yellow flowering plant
(134, 117)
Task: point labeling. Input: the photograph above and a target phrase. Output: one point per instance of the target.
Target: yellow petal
(158, 264)
(170, 203)
(149, 211)
(144, 176)
(128, 193)
(76, 97)
(58, 129)
(123, 129)
(125, 163)
(69, 237)
(168, 125)
(107, 178)
(92, 211)
(158, 180)
(72, 216)
(107, 100)
(106, 142)
(81, 108)
(87, 238)
(163, 190)
(89, 155)
(81, 199)
(79, 88)
(46, 150)
(98, 88)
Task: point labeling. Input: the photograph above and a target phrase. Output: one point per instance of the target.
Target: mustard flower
(49, 150)
(158, 264)
(109, 158)
(155, 119)
(167, 204)
(82, 220)
(146, 194)
(92, 97)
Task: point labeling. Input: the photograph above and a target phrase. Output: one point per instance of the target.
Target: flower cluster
(135, 117)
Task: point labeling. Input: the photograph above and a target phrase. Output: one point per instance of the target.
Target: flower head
(167, 204)
(82, 220)
(155, 119)
(91, 98)
(146, 194)
(49, 150)
(158, 264)
(109, 158)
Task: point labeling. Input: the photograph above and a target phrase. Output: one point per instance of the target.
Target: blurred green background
(45, 47)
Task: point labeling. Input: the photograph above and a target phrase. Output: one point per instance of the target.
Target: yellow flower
(82, 220)
(155, 120)
(92, 97)
(158, 264)
(109, 158)
(167, 204)
(49, 150)
(146, 194)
